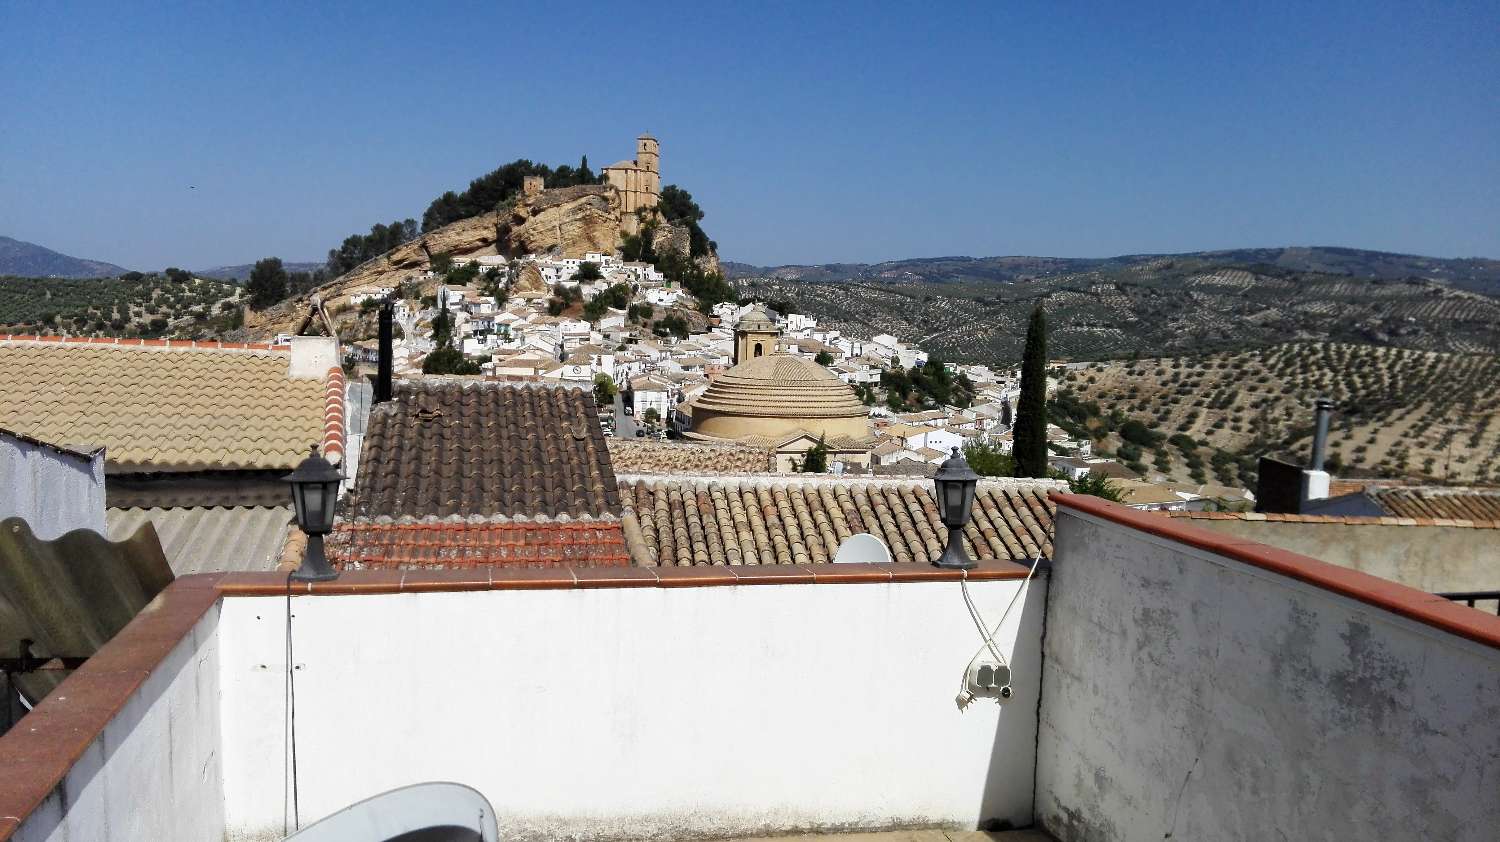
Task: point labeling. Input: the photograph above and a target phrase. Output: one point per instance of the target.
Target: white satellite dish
(430, 812)
(862, 548)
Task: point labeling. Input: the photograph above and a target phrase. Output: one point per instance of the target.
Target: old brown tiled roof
(774, 520)
(642, 456)
(459, 474)
(164, 406)
(475, 448)
(1447, 503)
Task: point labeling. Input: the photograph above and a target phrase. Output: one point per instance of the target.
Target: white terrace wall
(1192, 696)
(638, 712)
(153, 773)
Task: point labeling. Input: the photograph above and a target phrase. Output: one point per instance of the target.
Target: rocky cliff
(566, 222)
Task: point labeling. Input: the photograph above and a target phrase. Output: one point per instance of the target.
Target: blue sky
(808, 132)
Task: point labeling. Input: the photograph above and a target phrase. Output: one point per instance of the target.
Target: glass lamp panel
(299, 503)
(968, 499)
(953, 500)
(330, 501)
(311, 508)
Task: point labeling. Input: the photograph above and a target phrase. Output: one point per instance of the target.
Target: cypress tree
(1030, 431)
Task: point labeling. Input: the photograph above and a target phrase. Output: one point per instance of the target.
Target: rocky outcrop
(565, 222)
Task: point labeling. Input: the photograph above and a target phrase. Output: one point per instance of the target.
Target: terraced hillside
(1167, 305)
(1402, 413)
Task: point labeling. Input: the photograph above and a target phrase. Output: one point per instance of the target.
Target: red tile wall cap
(1372, 590)
(1353, 520)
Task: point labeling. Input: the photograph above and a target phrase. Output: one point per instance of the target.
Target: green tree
(816, 459)
(823, 358)
(987, 460)
(267, 284)
(1096, 485)
(1030, 432)
(604, 385)
(588, 271)
(449, 360)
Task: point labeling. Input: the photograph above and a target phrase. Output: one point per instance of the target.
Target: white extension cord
(965, 695)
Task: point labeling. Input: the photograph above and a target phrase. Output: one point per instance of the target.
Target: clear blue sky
(808, 132)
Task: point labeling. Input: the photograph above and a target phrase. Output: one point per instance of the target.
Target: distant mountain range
(1476, 274)
(29, 260)
(242, 271)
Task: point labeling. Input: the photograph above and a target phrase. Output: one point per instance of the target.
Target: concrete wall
(1435, 559)
(1191, 696)
(638, 712)
(154, 772)
(53, 491)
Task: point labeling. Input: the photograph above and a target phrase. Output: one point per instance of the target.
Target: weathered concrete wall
(632, 713)
(1191, 696)
(1435, 559)
(154, 772)
(53, 491)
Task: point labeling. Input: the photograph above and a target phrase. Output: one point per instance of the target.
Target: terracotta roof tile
(640, 456)
(776, 520)
(158, 408)
(444, 545)
(1454, 503)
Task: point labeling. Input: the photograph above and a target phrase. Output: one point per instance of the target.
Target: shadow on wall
(1012, 763)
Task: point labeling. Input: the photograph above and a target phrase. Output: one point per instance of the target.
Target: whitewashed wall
(637, 712)
(154, 771)
(1192, 696)
(53, 491)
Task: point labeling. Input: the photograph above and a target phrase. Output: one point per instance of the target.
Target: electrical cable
(291, 717)
(988, 637)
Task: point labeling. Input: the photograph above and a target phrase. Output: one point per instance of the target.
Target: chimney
(387, 354)
(1323, 407)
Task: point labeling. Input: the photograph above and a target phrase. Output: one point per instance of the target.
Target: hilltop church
(638, 181)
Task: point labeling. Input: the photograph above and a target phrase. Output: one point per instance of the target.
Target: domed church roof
(780, 386)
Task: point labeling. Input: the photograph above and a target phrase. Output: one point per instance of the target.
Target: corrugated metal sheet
(211, 538)
(70, 595)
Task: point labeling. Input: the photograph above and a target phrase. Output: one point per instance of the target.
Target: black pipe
(383, 364)
(1323, 406)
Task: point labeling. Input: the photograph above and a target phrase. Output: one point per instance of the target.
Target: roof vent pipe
(383, 364)
(1322, 406)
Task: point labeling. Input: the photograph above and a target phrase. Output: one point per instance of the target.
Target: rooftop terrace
(1189, 685)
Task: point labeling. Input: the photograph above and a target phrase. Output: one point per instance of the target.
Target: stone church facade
(638, 181)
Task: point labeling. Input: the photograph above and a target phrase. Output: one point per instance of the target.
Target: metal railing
(1471, 597)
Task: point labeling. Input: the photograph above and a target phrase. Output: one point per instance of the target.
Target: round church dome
(777, 396)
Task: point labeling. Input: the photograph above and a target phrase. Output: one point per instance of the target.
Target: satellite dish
(863, 548)
(430, 812)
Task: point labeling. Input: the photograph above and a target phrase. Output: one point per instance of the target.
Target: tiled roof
(1449, 503)
(640, 456)
(450, 545)
(788, 521)
(454, 448)
(466, 474)
(159, 406)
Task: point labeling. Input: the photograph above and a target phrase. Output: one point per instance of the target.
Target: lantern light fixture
(955, 483)
(315, 492)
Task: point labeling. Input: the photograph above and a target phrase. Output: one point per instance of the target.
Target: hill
(1164, 305)
(242, 271)
(174, 304)
(1475, 274)
(23, 259)
(1401, 413)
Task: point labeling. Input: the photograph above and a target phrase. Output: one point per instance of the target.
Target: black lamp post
(955, 482)
(315, 491)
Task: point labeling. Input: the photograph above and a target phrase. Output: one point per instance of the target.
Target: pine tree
(1030, 431)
